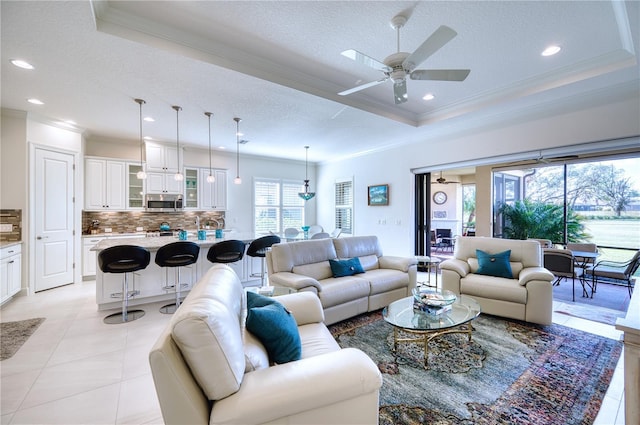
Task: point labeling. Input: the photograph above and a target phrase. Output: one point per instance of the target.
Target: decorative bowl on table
(431, 298)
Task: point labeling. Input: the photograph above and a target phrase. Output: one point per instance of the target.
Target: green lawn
(615, 233)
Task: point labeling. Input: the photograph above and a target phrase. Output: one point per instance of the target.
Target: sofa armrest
(305, 307)
(287, 389)
(296, 281)
(397, 263)
(534, 273)
(455, 265)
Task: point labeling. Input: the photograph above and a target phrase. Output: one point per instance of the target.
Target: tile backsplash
(128, 221)
(10, 225)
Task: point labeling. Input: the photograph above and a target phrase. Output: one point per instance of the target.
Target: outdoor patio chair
(616, 271)
(561, 263)
(586, 247)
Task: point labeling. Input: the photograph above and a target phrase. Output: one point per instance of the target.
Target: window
(344, 205)
(277, 205)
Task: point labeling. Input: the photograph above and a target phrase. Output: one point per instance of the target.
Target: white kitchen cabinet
(89, 258)
(162, 158)
(10, 271)
(192, 187)
(163, 183)
(213, 195)
(104, 184)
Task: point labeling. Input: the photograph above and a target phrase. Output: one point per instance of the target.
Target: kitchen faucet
(197, 223)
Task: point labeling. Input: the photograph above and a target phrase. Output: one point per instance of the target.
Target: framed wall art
(378, 195)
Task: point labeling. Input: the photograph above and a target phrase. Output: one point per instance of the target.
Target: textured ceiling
(277, 65)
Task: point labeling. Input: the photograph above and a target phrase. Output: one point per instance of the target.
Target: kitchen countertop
(6, 244)
(113, 235)
(155, 242)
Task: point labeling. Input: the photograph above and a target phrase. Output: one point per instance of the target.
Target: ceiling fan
(442, 180)
(397, 66)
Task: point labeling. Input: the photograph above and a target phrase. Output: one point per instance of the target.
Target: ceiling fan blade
(439, 38)
(363, 86)
(365, 60)
(400, 91)
(440, 74)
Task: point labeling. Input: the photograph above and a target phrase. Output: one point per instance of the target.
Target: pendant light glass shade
(178, 175)
(210, 178)
(141, 174)
(306, 195)
(237, 180)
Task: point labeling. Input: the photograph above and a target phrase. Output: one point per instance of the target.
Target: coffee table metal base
(426, 336)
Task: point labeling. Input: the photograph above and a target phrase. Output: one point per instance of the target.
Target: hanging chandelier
(210, 178)
(141, 174)
(306, 195)
(237, 180)
(178, 175)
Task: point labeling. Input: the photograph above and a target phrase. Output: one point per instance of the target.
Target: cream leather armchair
(208, 369)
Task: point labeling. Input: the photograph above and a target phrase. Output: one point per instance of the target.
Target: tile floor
(76, 370)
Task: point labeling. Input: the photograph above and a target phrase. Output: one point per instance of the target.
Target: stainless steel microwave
(163, 203)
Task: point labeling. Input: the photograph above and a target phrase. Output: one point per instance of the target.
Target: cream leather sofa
(208, 369)
(528, 296)
(304, 266)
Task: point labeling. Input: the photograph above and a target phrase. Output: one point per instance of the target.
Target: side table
(429, 263)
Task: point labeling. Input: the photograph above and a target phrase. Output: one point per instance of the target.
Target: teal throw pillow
(277, 330)
(341, 268)
(494, 264)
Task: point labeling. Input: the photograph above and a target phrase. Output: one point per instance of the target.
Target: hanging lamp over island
(141, 174)
(210, 178)
(306, 195)
(178, 175)
(237, 180)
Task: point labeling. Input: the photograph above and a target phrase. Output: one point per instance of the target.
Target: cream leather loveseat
(527, 296)
(208, 369)
(304, 266)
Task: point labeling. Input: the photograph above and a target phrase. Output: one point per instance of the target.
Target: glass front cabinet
(135, 187)
(191, 191)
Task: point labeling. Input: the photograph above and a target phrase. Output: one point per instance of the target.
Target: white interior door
(53, 219)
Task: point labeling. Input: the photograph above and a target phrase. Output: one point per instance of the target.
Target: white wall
(607, 121)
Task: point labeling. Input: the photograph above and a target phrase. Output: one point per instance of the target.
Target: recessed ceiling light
(22, 64)
(221, 147)
(428, 96)
(550, 51)
(149, 119)
(35, 101)
(147, 138)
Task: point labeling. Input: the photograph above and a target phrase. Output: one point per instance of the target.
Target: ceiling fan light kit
(397, 66)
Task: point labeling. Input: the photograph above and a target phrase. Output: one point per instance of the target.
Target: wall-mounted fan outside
(442, 180)
(399, 65)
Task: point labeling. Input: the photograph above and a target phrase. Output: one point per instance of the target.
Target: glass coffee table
(426, 326)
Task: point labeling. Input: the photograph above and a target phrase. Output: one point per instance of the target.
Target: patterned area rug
(510, 373)
(14, 334)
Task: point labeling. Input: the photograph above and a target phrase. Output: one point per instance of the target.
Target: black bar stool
(258, 249)
(226, 251)
(177, 255)
(124, 259)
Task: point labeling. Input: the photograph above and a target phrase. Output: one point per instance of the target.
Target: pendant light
(306, 195)
(141, 174)
(210, 178)
(178, 175)
(237, 180)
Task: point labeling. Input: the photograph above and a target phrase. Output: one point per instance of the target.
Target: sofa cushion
(495, 288)
(357, 246)
(207, 328)
(286, 256)
(255, 355)
(494, 264)
(340, 290)
(385, 280)
(276, 328)
(317, 271)
(349, 267)
(369, 262)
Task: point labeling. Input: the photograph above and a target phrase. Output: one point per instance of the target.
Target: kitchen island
(150, 281)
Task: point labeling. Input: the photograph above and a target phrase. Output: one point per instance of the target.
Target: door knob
(42, 237)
